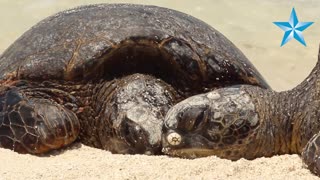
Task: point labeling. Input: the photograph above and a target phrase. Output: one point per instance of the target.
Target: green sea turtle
(113, 77)
(246, 121)
(107, 74)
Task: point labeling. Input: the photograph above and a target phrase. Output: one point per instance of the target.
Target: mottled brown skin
(30, 124)
(248, 122)
(131, 116)
(82, 75)
(121, 115)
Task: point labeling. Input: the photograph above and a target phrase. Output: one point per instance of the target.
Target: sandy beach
(247, 23)
(82, 162)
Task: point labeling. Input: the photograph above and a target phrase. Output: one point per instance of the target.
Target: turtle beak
(142, 130)
(184, 131)
(186, 145)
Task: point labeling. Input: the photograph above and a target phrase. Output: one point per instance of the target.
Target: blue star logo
(293, 28)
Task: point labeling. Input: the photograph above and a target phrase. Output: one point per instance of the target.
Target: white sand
(248, 23)
(82, 162)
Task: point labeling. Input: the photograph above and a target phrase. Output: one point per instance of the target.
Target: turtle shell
(111, 40)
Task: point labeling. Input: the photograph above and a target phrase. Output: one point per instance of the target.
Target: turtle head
(217, 123)
(133, 117)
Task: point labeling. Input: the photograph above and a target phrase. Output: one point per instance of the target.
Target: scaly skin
(73, 73)
(248, 122)
(36, 118)
(122, 115)
(83, 59)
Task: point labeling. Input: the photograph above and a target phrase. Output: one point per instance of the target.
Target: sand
(248, 23)
(82, 162)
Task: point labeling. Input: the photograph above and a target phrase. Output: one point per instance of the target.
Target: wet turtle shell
(68, 55)
(108, 40)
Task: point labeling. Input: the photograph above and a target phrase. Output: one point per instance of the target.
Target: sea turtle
(113, 77)
(246, 121)
(107, 74)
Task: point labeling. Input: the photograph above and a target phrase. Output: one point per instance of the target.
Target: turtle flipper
(311, 154)
(34, 125)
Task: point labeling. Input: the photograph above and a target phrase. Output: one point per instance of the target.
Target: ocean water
(247, 23)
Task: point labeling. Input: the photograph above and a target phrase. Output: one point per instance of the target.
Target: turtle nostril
(174, 138)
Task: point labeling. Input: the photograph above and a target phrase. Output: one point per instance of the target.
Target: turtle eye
(193, 118)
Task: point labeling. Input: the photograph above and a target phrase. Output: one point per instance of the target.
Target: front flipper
(35, 125)
(311, 154)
